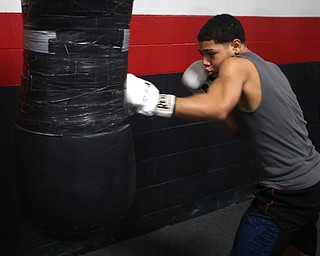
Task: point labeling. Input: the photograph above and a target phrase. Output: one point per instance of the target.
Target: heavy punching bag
(75, 165)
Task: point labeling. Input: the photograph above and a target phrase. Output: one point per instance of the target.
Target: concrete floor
(208, 235)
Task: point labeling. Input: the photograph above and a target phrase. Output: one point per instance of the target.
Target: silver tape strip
(126, 40)
(38, 41)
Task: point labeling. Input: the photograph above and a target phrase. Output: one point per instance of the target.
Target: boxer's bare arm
(222, 97)
(237, 85)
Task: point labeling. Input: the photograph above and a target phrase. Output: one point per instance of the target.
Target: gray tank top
(277, 131)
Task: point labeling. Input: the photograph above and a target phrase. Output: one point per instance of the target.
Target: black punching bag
(74, 148)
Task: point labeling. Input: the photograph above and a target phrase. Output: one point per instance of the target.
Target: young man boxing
(255, 101)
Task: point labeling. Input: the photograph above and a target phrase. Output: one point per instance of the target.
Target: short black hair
(222, 28)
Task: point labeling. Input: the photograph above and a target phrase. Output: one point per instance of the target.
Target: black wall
(184, 169)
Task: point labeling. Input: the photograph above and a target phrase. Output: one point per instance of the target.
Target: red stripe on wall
(10, 48)
(163, 44)
(284, 40)
(167, 44)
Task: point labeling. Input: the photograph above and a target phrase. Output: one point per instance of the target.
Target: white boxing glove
(195, 79)
(144, 98)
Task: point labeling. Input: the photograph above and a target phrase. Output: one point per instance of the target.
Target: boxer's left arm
(217, 104)
(143, 97)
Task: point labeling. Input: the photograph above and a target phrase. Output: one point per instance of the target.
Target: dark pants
(276, 219)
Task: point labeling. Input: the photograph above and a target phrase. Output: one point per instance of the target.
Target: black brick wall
(184, 169)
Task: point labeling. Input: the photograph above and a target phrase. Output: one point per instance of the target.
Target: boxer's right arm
(222, 97)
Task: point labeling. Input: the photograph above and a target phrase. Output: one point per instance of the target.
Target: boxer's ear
(236, 46)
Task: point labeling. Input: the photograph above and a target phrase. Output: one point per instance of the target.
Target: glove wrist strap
(166, 105)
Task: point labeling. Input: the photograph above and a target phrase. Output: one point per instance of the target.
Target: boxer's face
(213, 54)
